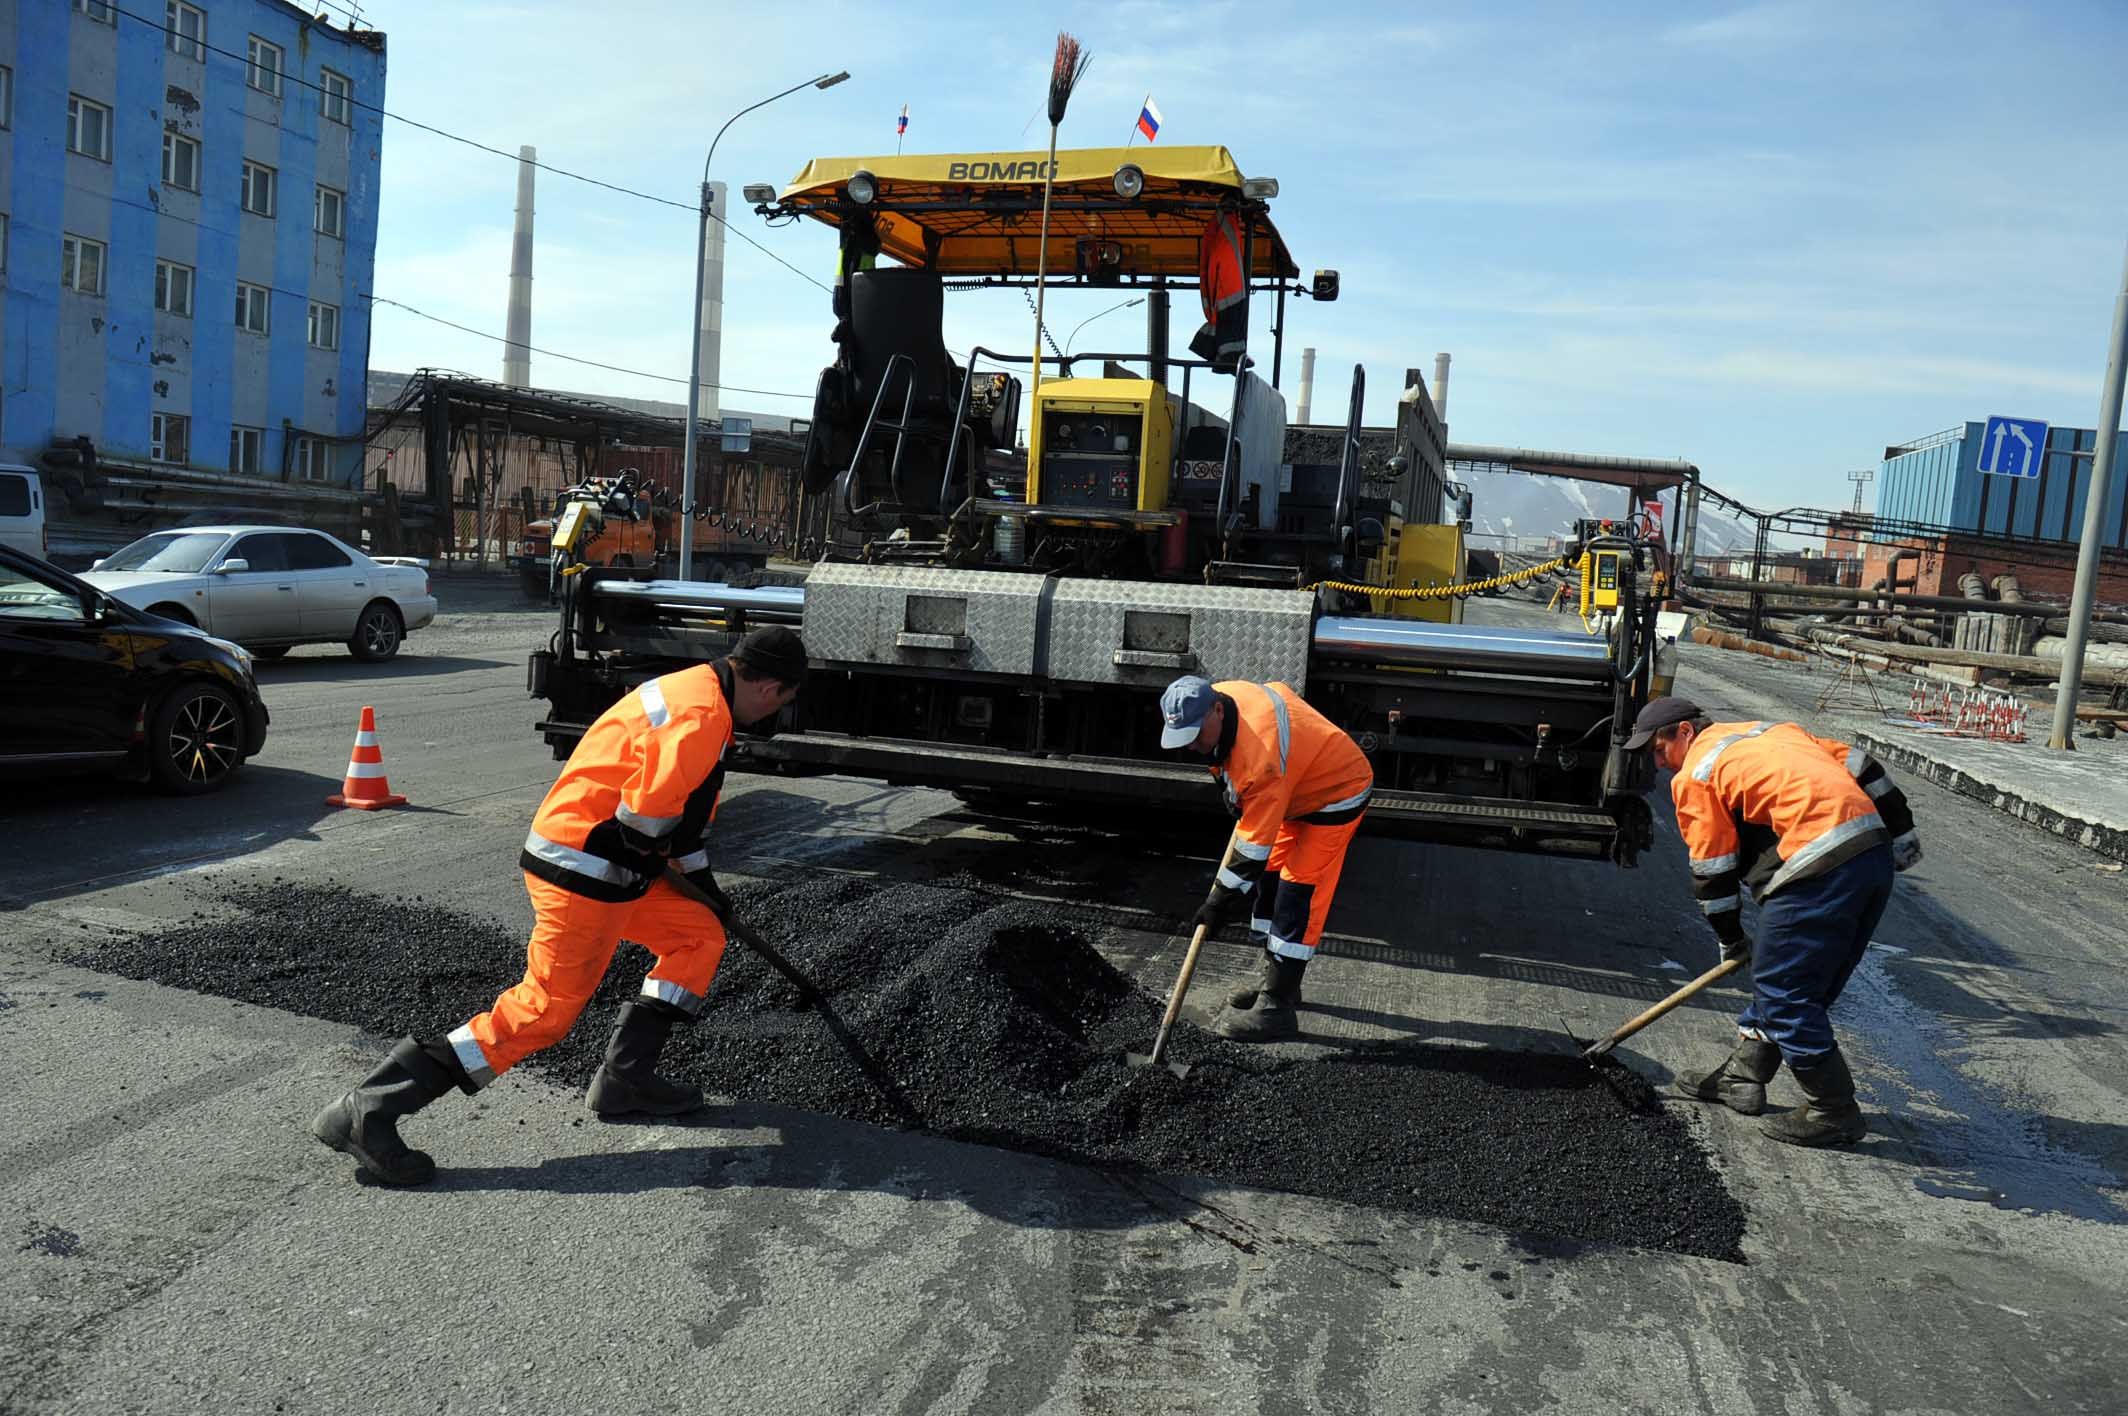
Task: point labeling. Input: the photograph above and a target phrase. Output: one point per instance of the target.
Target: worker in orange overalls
(636, 798)
(1815, 829)
(1299, 785)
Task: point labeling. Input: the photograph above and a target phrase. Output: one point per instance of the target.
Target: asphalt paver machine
(1000, 619)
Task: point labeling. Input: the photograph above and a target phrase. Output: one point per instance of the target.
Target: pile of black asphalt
(953, 1008)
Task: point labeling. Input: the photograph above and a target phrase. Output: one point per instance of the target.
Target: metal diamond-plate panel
(917, 617)
(1232, 633)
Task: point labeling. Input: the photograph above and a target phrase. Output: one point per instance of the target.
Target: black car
(87, 682)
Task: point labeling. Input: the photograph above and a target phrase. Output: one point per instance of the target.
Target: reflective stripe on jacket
(641, 788)
(1281, 761)
(1765, 805)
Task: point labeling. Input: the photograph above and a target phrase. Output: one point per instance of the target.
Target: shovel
(1158, 1056)
(1638, 1021)
(809, 995)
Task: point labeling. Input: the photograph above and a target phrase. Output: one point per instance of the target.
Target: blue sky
(1770, 238)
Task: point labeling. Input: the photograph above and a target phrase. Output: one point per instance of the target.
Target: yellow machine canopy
(980, 214)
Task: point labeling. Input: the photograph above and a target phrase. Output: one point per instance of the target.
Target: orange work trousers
(1299, 881)
(573, 939)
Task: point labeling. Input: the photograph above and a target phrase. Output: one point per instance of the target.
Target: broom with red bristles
(1064, 75)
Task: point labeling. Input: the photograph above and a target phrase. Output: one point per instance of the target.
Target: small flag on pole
(901, 124)
(1149, 119)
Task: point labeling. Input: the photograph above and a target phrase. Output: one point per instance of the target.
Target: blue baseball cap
(1182, 709)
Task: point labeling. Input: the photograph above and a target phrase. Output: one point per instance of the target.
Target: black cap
(1659, 714)
(774, 651)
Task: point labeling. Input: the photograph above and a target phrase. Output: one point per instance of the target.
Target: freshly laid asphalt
(178, 1243)
(954, 1009)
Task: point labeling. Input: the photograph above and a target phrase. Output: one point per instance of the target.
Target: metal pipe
(1156, 337)
(1781, 590)
(705, 595)
(2087, 551)
(1483, 648)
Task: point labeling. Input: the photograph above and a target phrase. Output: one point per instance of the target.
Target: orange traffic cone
(366, 787)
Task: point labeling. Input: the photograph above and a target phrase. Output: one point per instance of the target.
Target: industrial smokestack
(710, 332)
(1440, 387)
(517, 328)
(1307, 385)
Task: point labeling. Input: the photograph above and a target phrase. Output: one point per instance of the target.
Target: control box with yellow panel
(1102, 444)
(1421, 557)
(1600, 570)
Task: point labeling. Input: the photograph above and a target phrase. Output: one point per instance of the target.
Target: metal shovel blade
(1145, 1059)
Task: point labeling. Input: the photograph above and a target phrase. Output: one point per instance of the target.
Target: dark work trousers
(1810, 937)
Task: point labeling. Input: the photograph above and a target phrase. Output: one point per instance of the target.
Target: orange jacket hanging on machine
(1279, 760)
(640, 789)
(1765, 805)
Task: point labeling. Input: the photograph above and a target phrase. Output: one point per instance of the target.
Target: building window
(259, 183)
(81, 265)
(329, 211)
(181, 161)
(169, 438)
(247, 449)
(188, 30)
(7, 97)
(101, 11)
(253, 308)
(265, 67)
(335, 96)
(311, 462)
(88, 128)
(173, 288)
(324, 326)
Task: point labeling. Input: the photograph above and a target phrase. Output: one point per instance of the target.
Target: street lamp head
(828, 81)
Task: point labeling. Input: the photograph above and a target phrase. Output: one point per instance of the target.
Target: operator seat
(896, 344)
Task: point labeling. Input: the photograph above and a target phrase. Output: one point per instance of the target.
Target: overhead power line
(575, 359)
(353, 102)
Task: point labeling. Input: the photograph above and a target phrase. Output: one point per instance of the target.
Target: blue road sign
(2013, 447)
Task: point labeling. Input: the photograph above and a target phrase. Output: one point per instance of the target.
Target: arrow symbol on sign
(2018, 432)
(1995, 460)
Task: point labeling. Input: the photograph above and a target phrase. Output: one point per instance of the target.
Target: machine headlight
(1130, 181)
(862, 187)
(759, 193)
(1259, 189)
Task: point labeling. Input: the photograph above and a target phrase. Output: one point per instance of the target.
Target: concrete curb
(2096, 836)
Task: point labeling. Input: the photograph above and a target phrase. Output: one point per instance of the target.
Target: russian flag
(901, 124)
(1149, 119)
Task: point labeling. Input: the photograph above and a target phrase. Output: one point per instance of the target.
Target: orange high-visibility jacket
(1763, 805)
(1279, 760)
(640, 789)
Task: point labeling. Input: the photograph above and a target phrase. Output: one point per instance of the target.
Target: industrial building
(1989, 524)
(188, 221)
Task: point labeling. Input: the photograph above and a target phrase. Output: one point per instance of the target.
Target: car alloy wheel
(199, 739)
(377, 637)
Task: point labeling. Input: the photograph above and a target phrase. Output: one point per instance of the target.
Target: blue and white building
(188, 223)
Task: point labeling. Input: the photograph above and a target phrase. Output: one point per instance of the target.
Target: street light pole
(694, 323)
(2087, 554)
(1068, 339)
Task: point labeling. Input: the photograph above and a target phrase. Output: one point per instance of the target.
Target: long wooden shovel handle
(1712, 976)
(1189, 966)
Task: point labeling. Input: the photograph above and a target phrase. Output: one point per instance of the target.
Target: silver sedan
(270, 588)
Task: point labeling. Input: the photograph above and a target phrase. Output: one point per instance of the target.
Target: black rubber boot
(365, 1122)
(1829, 1115)
(1738, 1081)
(627, 1083)
(1242, 999)
(1275, 1016)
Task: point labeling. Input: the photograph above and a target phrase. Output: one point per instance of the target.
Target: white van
(22, 509)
